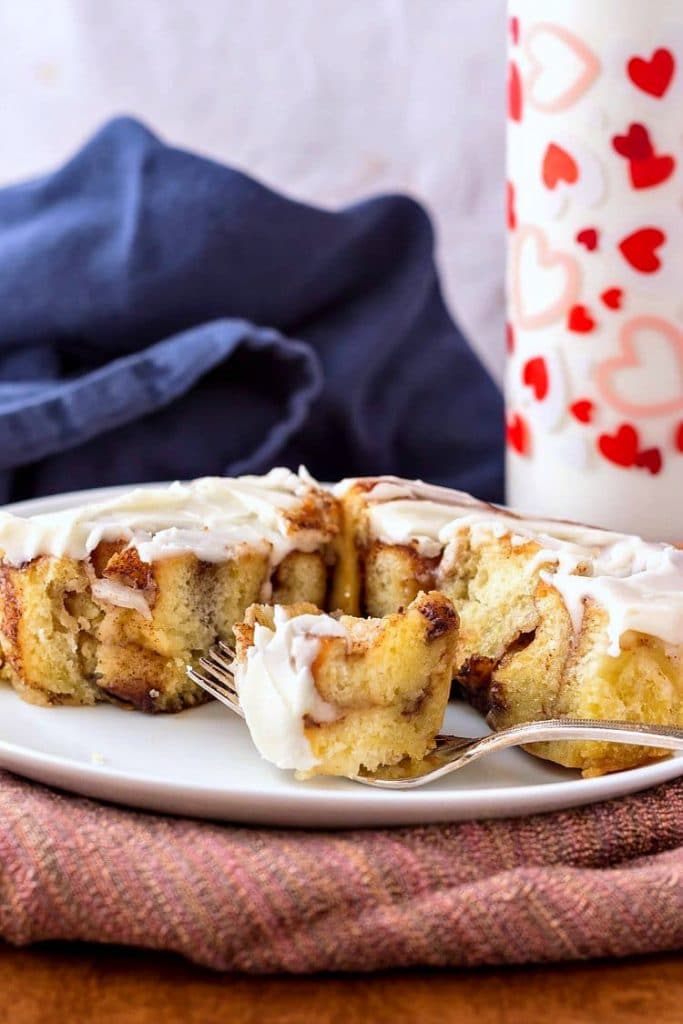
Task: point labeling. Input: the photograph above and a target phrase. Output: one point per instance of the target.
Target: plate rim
(334, 808)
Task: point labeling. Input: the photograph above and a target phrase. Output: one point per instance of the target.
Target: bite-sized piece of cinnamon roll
(334, 694)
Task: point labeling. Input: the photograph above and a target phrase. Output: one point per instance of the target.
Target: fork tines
(226, 649)
(217, 677)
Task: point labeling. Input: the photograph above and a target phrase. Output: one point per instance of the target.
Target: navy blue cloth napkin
(163, 316)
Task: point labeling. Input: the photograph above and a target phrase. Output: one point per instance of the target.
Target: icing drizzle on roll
(210, 518)
(639, 583)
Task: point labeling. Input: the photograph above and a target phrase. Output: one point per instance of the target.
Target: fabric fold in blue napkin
(164, 317)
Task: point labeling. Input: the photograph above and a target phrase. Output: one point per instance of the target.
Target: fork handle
(661, 736)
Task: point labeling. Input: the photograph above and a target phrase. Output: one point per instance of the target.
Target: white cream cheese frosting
(639, 583)
(210, 517)
(277, 690)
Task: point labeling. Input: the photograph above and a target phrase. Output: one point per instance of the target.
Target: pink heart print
(554, 85)
(646, 378)
(539, 270)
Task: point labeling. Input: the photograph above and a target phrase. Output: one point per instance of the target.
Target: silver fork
(218, 678)
(452, 752)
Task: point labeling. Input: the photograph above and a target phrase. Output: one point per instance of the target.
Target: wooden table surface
(108, 985)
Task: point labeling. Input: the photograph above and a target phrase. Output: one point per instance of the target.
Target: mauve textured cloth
(166, 317)
(605, 880)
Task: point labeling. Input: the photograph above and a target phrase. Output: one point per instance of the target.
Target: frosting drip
(639, 583)
(277, 690)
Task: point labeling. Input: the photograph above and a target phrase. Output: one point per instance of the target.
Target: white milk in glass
(594, 385)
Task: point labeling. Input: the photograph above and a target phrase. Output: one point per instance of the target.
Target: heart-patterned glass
(594, 384)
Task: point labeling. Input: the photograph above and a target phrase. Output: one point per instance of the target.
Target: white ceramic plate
(201, 763)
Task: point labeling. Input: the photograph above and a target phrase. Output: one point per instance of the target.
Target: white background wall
(328, 100)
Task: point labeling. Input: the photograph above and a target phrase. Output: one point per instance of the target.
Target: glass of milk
(594, 385)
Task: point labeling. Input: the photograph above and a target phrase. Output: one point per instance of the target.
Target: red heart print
(646, 167)
(651, 172)
(678, 440)
(511, 212)
(620, 448)
(509, 338)
(514, 30)
(588, 237)
(640, 249)
(650, 459)
(612, 298)
(635, 145)
(558, 165)
(514, 93)
(580, 320)
(535, 376)
(653, 76)
(517, 434)
(582, 410)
